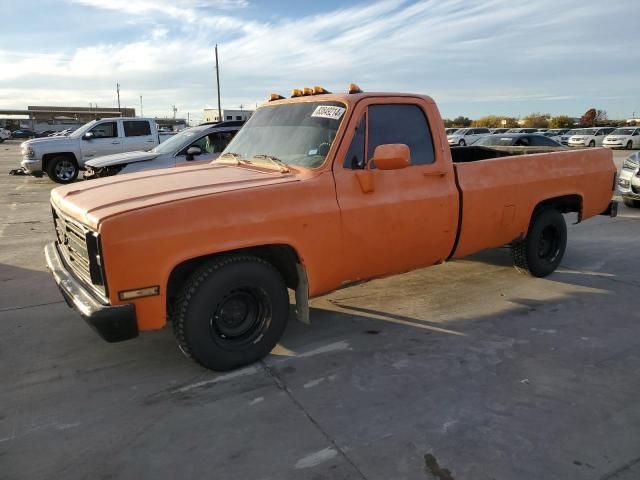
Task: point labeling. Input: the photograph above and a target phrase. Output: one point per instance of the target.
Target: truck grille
(79, 247)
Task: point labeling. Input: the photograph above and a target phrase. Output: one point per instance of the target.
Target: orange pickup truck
(316, 192)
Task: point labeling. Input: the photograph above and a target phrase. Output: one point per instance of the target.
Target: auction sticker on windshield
(328, 111)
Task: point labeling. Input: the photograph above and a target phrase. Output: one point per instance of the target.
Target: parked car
(495, 131)
(518, 140)
(203, 143)
(629, 181)
(62, 157)
(466, 136)
(564, 138)
(23, 133)
(4, 134)
(590, 137)
(451, 131)
(296, 202)
(522, 130)
(623, 138)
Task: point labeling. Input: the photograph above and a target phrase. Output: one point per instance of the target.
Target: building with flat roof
(211, 115)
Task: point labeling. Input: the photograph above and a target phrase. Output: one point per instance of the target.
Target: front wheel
(540, 253)
(592, 143)
(629, 145)
(462, 143)
(232, 311)
(62, 169)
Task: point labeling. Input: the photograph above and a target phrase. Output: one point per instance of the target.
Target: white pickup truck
(62, 157)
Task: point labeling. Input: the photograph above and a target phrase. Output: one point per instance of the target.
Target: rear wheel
(231, 312)
(62, 169)
(540, 253)
(592, 143)
(631, 203)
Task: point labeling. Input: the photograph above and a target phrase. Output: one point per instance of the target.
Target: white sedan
(466, 136)
(623, 138)
(4, 134)
(590, 137)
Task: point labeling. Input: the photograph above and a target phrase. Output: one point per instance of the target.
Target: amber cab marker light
(319, 91)
(275, 96)
(296, 92)
(308, 91)
(139, 292)
(353, 88)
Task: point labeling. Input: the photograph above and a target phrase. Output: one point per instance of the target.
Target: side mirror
(392, 156)
(88, 136)
(192, 152)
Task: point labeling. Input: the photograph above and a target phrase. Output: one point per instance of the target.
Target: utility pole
(141, 114)
(118, 91)
(218, 84)
(175, 110)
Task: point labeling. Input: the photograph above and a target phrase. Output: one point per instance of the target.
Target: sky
(474, 57)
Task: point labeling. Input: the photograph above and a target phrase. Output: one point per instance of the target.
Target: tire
(462, 143)
(540, 253)
(1, 140)
(592, 143)
(62, 169)
(630, 145)
(631, 203)
(231, 312)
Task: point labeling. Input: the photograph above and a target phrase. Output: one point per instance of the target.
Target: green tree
(537, 120)
(461, 121)
(561, 121)
(495, 121)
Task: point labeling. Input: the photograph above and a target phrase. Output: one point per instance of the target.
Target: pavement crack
(11, 309)
(282, 386)
(622, 469)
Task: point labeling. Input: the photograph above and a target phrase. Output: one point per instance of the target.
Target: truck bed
(498, 195)
(475, 153)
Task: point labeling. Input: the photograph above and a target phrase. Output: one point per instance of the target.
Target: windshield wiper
(283, 167)
(236, 156)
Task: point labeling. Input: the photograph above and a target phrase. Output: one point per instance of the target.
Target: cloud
(470, 55)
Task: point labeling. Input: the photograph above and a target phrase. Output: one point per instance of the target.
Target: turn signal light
(353, 88)
(308, 91)
(319, 91)
(140, 292)
(275, 96)
(296, 92)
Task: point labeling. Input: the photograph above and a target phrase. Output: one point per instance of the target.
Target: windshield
(496, 140)
(295, 134)
(586, 131)
(574, 132)
(177, 142)
(80, 131)
(623, 131)
(451, 131)
(460, 131)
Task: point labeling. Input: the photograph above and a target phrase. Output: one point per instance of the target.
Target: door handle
(115, 143)
(439, 173)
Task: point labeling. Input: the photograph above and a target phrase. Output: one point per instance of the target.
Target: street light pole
(118, 91)
(218, 85)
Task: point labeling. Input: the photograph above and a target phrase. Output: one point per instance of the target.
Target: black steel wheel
(231, 312)
(541, 251)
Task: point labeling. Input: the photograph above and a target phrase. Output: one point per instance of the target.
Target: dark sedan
(517, 140)
(23, 133)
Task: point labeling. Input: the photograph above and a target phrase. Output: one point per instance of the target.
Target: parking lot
(467, 370)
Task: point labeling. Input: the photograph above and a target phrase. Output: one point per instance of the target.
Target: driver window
(105, 130)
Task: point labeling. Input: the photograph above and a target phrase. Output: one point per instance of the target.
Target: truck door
(104, 140)
(138, 135)
(394, 220)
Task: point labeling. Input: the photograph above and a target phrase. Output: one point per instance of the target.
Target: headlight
(630, 164)
(28, 152)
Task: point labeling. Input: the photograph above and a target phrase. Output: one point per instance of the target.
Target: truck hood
(46, 141)
(118, 158)
(94, 201)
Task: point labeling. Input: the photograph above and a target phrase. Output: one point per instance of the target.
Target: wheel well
(565, 204)
(283, 257)
(46, 158)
